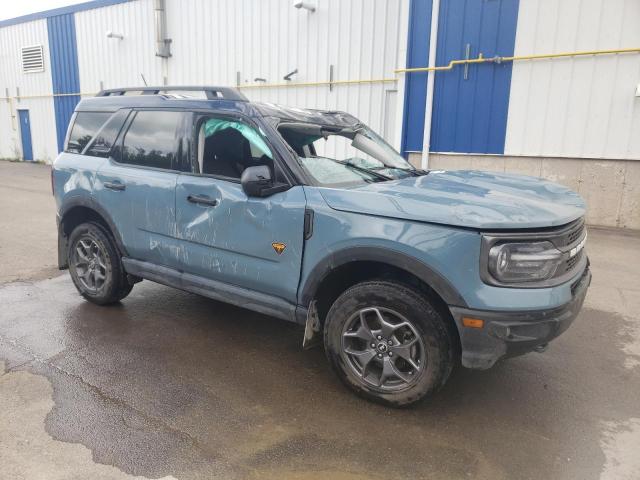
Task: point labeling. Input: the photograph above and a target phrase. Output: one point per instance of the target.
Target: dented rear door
(137, 185)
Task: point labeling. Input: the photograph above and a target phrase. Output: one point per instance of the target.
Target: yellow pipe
(316, 84)
(497, 59)
(49, 95)
(27, 97)
(450, 66)
(13, 117)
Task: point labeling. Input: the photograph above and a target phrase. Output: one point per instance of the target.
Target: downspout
(428, 111)
(163, 44)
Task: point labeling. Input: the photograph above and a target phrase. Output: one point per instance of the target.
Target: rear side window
(84, 128)
(101, 144)
(152, 139)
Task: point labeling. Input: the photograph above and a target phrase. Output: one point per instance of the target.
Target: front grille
(575, 235)
(568, 235)
(570, 263)
(567, 239)
(573, 260)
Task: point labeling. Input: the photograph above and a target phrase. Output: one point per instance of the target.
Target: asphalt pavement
(171, 385)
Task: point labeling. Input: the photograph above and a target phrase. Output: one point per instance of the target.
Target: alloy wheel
(89, 264)
(383, 349)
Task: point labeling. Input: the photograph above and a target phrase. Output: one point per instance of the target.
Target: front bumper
(511, 333)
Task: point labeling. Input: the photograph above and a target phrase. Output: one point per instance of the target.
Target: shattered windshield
(339, 156)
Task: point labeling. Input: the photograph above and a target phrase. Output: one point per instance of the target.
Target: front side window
(84, 128)
(152, 139)
(225, 147)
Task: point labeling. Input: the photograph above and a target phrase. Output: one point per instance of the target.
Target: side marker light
(472, 322)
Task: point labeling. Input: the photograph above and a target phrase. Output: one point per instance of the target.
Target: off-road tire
(437, 342)
(116, 285)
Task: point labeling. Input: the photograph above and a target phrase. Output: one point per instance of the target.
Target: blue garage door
(470, 104)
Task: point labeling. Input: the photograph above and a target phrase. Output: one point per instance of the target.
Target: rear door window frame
(178, 160)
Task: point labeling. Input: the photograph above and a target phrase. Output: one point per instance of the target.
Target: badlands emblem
(278, 247)
(576, 250)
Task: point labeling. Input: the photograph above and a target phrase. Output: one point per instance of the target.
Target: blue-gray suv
(311, 217)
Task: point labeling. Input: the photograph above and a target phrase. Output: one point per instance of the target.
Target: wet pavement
(169, 384)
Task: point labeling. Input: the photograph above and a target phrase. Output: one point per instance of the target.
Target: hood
(464, 198)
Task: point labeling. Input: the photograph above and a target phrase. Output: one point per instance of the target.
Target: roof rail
(212, 93)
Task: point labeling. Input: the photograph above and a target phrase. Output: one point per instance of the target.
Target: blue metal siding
(416, 83)
(470, 116)
(65, 76)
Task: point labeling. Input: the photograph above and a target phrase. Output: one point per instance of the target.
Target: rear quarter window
(104, 140)
(85, 126)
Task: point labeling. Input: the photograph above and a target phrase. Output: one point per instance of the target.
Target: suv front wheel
(95, 265)
(388, 343)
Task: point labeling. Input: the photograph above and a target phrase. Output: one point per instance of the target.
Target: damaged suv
(311, 217)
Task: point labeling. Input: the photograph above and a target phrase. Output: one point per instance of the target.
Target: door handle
(114, 186)
(202, 200)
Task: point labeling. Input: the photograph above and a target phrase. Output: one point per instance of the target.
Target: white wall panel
(212, 41)
(41, 113)
(576, 107)
(115, 62)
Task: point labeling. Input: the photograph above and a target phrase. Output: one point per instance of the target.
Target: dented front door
(254, 243)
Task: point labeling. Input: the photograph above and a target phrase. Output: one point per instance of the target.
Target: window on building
(226, 147)
(84, 128)
(152, 139)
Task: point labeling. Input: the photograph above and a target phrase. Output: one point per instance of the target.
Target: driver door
(254, 243)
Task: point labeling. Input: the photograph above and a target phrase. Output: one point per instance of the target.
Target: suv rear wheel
(388, 343)
(95, 265)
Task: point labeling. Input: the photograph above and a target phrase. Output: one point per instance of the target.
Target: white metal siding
(41, 113)
(115, 62)
(576, 107)
(268, 39)
(212, 41)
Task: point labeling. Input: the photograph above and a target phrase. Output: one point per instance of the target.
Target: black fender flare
(394, 258)
(89, 202)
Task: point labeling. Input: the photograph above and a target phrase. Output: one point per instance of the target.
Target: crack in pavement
(101, 394)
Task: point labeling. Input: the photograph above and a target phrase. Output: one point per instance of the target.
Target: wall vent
(32, 59)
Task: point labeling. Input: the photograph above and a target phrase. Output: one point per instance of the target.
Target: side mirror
(256, 181)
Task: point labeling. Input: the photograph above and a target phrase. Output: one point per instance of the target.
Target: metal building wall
(415, 92)
(576, 107)
(212, 41)
(471, 102)
(64, 70)
(12, 39)
(114, 62)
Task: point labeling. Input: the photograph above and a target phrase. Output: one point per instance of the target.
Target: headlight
(524, 262)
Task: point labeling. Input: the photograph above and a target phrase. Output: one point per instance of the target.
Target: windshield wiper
(373, 173)
(417, 172)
